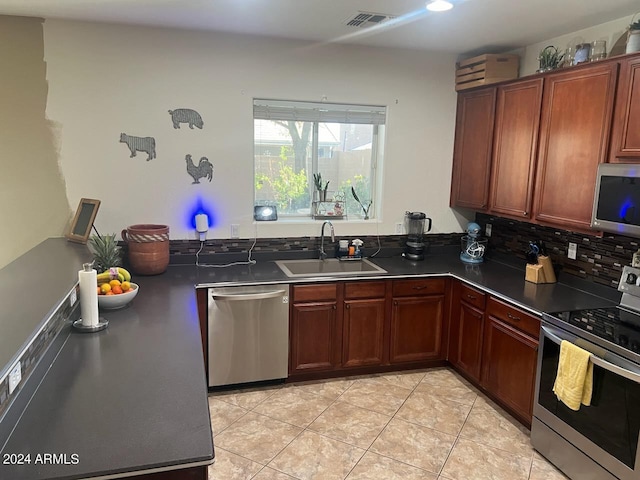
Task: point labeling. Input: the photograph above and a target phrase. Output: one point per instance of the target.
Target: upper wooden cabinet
(625, 136)
(472, 149)
(514, 148)
(575, 124)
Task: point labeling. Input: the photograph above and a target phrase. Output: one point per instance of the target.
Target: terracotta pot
(148, 247)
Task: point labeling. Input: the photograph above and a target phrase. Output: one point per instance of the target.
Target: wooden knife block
(542, 272)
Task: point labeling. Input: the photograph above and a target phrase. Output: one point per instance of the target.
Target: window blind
(318, 112)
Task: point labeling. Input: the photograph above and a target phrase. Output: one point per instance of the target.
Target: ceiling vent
(365, 19)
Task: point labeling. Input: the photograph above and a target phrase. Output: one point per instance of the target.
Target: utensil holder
(542, 272)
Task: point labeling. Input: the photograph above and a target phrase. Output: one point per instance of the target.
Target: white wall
(107, 79)
(609, 31)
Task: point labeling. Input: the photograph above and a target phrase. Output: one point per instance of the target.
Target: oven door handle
(596, 360)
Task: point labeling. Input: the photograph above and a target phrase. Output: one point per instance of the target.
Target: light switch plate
(73, 297)
(399, 228)
(14, 377)
(235, 228)
(572, 252)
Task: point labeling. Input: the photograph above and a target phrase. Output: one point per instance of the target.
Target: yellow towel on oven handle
(574, 380)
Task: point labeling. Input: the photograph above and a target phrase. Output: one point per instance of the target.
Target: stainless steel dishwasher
(248, 334)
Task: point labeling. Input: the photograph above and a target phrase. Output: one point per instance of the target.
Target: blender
(415, 226)
(473, 247)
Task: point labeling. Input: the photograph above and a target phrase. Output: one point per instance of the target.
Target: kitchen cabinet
(313, 328)
(363, 324)
(417, 320)
(467, 327)
(575, 124)
(509, 357)
(515, 144)
(625, 136)
(472, 149)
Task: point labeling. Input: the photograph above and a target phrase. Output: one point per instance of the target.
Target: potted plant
(550, 59)
(322, 190)
(633, 37)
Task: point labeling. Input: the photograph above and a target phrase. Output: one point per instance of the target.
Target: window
(296, 143)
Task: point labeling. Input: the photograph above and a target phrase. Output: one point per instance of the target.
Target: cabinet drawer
(514, 316)
(472, 296)
(421, 286)
(364, 290)
(309, 293)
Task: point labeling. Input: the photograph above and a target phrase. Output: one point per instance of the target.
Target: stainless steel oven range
(599, 441)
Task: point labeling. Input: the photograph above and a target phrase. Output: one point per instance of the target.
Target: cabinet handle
(395, 302)
(471, 297)
(525, 214)
(334, 307)
(348, 306)
(420, 287)
(513, 317)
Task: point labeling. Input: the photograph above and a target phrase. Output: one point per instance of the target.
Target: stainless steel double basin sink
(327, 268)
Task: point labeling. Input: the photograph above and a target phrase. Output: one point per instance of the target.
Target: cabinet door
(575, 122)
(509, 366)
(363, 330)
(625, 138)
(472, 149)
(515, 148)
(416, 328)
(313, 337)
(467, 348)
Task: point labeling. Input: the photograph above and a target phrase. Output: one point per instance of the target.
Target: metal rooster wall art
(204, 169)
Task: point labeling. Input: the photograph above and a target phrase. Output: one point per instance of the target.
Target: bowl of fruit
(115, 288)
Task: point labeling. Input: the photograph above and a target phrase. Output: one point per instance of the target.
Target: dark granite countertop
(134, 397)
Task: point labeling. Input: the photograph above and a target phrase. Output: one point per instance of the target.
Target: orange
(114, 282)
(109, 293)
(126, 286)
(117, 289)
(105, 287)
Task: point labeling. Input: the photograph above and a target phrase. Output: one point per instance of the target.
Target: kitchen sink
(327, 268)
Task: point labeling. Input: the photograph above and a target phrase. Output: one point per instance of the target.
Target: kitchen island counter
(126, 400)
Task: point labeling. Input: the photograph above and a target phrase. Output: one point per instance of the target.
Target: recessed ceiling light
(439, 5)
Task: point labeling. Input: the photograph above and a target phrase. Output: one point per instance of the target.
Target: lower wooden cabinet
(313, 337)
(466, 331)
(509, 366)
(416, 329)
(509, 357)
(362, 332)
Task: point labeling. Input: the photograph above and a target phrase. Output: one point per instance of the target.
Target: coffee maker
(414, 223)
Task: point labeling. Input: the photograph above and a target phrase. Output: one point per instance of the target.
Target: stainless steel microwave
(616, 205)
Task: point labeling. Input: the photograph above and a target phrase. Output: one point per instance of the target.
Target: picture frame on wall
(582, 53)
(83, 220)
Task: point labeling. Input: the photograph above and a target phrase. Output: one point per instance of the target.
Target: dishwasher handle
(232, 297)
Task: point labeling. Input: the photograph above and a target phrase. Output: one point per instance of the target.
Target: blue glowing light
(624, 210)
(199, 206)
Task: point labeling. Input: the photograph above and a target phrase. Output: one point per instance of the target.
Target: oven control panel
(630, 281)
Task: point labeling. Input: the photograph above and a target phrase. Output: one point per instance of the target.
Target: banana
(125, 274)
(104, 277)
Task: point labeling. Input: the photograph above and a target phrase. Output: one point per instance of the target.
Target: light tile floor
(427, 425)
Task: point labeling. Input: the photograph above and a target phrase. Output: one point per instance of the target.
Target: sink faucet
(323, 254)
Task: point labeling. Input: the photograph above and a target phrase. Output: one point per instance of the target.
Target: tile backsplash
(599, 259)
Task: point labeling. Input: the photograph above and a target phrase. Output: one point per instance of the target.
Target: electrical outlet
(14, 377)
(487, 230)
(399, 228)
(572, 252)
(235, 227)
(73, 297)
